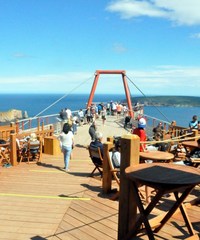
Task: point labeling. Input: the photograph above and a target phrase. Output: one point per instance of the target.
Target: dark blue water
(36, 103)
(182, 115)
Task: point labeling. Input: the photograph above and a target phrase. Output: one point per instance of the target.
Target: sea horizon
(47, 104)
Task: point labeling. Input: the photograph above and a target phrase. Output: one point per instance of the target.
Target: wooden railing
(47, 125)
(10, 133)
(5, 131)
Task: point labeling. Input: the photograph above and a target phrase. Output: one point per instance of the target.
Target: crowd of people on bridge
(101, 110)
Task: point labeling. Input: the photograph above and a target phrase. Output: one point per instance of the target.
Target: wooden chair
(116, 176)
(20, 150)
(5, 154)
(32, 154)
(115, 173)
(195, 162)
(97, 159)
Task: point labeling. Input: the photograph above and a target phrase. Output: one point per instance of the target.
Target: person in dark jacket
(92, 131)
(98, 142)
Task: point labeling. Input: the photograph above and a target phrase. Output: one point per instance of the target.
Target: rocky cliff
(12, 115)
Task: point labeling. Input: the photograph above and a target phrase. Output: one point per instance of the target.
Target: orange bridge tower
(127, 92)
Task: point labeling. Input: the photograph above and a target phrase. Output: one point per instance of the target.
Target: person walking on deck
(81, 117)
(140, 131)
(119, 109)
(103, 115)
(67, 142)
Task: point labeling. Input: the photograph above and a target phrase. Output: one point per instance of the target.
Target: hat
(33, 137)
(141, 123)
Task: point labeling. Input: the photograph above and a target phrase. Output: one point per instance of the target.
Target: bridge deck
(41, 202)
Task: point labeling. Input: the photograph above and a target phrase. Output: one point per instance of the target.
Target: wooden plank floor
(41, 202)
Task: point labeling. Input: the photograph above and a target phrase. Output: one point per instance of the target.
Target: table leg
(143, 218)
(176, 205)
(185, 216)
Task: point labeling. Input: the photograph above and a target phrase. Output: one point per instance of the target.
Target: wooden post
(13, 149)
(29, 124)
(110, 139)
(42, 125)
(130, 145)
(38, 124)
(154, 123)
(17, 127)
(107, 175)
(51, 130)
(195, 133)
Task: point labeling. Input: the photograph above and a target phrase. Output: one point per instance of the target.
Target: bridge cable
(65, 95)
(148, 99)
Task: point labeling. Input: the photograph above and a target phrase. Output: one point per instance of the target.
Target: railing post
(110, 139)
(154, 123)
(13, 149)
(17, 127)
(195, 132)
(43, 126)
(29, 124)
(52, 130)
(38, 124)
(107, 175)
(130, 145)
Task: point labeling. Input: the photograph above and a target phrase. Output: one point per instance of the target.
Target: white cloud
(163, 80)
(195, 35)
(180, 12)
(168, 80)
(55, 83)
(21, 55)
(119, 48)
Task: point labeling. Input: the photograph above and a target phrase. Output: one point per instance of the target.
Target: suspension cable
(65, 95)
(148, 99)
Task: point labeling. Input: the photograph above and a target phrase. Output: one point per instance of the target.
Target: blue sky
(55, 46)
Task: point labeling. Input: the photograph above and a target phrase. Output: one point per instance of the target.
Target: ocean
(52, 103)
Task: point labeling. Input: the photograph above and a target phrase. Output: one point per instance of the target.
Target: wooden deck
(41, 202)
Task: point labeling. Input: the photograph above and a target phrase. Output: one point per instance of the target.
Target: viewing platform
(42, 202)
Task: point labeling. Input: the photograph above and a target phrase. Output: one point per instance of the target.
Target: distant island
(177, 101)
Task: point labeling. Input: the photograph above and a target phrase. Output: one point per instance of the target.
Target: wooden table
(165, 178)
(190, 144)
(157, 156)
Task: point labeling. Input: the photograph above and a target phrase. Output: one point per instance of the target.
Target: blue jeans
(66, 152)
(74, 128)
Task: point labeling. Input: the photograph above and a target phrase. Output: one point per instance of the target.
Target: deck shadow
(38, 238)
(99, 190)
(80, 146)
(49, 166)
(185, 233)
(92, 188)
(79, 174)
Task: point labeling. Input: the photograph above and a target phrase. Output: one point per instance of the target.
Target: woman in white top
(67, 142)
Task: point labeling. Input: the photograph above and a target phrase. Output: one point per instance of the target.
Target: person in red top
(140, 131)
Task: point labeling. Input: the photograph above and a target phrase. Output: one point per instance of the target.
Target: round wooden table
(190, 144)
(157, 156)
(165, 178)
